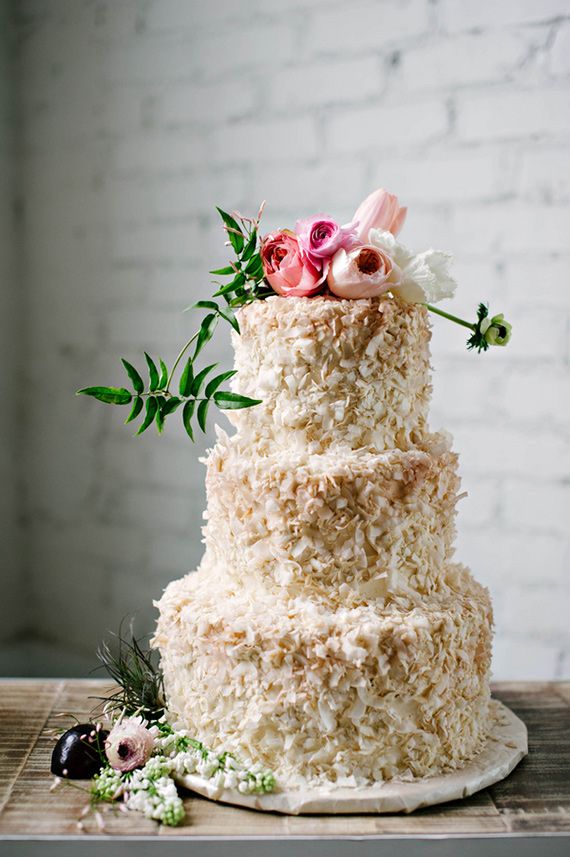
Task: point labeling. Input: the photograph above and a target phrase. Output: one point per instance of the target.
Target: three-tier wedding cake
(328, 634)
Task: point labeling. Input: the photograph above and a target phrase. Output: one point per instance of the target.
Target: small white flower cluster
(151, 789)
(154, 794)
(107, 785)
(184, 755)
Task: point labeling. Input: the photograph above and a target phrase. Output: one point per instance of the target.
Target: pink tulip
(319, 239)
(286, 271)
(364, 272)
(380, 210)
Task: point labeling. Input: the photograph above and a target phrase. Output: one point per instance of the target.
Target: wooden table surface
(533, 801)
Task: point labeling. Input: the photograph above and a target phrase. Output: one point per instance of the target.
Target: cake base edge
(506, 745)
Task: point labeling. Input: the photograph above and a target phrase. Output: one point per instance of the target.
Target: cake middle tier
(343, 525)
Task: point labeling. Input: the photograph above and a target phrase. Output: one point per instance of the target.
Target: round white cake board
(503, 750)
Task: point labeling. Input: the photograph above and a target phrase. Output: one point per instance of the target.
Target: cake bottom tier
(351, 697)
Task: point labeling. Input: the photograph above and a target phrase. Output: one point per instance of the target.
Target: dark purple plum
(79, 755)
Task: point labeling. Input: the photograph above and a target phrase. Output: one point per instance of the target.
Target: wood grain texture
(535, 799)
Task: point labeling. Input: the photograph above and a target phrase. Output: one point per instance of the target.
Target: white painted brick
(546, 330)
(461, 15)
(508, 451)
(449, 347)
(168, 241)
(505, 559)
(546, 175)
(512, 228)
(476, 278)
(191, 194)
(138, 118)
(366, 25)
(427, 227)
(542, 608)
(271, 140)
(542, 279)
(159, 152)
(75, 606)
(174, 556)
(255, 45)
(14, 617)
(524, 660)
(313, 186)
(382, 127)
(459, 394)
(173, 288)
(481, 549)
(539, 505)
(456, 175)
(122, 287)
(480, 505)
(325, 83)
(143, 59)
(134, 327)
(560, 52)
(533, 558)
(535, 397)
(176, 15)
(448, 63)
(164, 510)
(189, 102)
(538, 227)
(103, 541)
(513, 114)
(125, 108)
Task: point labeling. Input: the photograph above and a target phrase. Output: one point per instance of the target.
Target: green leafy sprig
(486, 331)
(197, 388)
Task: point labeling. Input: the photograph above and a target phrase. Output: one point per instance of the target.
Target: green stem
(451, 317)
(170, 395)
(178, 359)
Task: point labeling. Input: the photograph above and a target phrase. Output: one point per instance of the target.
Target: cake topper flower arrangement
(362, 259)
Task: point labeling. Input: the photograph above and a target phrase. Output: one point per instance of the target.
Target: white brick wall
(13, 618)
(136, 118)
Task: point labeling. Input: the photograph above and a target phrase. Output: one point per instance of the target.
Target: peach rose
(364, 272)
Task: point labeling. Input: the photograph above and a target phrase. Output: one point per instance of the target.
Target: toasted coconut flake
(327, 634)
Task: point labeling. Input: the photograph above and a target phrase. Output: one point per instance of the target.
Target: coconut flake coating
(327, 634)
(351, 696)
(348, 525)
(333, 371)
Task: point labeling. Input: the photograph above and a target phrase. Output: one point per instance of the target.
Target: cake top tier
(328, 371)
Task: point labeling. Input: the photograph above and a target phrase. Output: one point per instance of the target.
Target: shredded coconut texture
(333, 371)
(327, 634)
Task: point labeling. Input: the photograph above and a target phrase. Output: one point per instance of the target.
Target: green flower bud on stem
(496, 330)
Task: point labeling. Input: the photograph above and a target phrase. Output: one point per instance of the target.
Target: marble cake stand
(505, 747)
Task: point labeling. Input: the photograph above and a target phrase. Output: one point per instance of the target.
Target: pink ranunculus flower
(364, 272)
(129, 744)
(285, 270)
(380, 210)
(320, 237)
